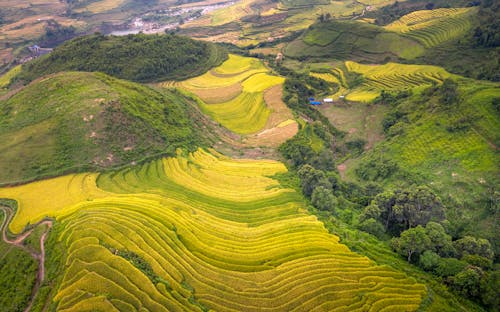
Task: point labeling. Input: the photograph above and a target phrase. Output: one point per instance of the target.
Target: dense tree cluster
(142, 58)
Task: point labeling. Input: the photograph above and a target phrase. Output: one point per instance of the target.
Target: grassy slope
(406, 38)
(71, 121)
(352, 40)
(454, 150)
(135, 57)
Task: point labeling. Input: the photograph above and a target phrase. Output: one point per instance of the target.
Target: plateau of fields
(162, 238)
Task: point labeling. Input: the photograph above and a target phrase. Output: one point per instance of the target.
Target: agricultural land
(251, 155)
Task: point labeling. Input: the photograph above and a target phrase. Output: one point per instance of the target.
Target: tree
(311, 178)
(473, 246)
(490, 286)
(323, 199)
(412, 241)
(372, 226)
(371, 211)
(441, 242)
(468, 282)
(429, 260)
(417, 207)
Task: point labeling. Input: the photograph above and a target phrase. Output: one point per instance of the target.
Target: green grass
(453, 150)
(73, 121)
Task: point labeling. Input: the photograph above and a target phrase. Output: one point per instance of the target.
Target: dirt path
(18, 242)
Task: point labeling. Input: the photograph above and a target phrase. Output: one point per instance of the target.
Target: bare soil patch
(218, 95)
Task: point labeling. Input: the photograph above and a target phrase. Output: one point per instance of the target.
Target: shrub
(429, 260)
(372, 226)
(450, 266)
(323, 199)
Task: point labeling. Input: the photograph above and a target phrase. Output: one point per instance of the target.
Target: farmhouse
(328, 100)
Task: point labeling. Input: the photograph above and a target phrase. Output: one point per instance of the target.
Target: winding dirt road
(18, 242)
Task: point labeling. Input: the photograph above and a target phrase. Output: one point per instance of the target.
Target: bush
(429, 260)
(473, 246)
(372, 226)
(467, 283)
(311, 179)
(323, 199)
(450, 266)
(478, 261)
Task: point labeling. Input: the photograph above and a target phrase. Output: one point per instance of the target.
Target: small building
(35, 50)
(328, 100)
(342, 97)
(315, 102)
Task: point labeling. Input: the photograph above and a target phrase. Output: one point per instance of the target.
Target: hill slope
(142, 58)
(73, 120)
(406, 38)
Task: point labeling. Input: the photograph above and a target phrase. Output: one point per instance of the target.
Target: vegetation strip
(18, 242)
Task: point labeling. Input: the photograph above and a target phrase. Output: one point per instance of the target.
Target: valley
(249, 155)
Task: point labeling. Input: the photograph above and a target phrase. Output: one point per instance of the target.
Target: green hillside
(448, 138)
(75, 121)
(160, 173)
(352, 40)
(406, 38)
(142, 58)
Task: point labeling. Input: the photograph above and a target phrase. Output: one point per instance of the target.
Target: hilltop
(76, 121)
(141, 58)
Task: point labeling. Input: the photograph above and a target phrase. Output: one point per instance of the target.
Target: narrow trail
(18, 242)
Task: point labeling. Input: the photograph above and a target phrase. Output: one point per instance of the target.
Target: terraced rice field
(46, 198)
(337, 77)
(433, 27)
(232, 13)
(388, 77)
(242, 96)
(242, 242)
(101, 6)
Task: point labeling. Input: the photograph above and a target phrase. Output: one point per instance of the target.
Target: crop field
(101, 6)
(231, 13)
(353, 40)
(391, 77)
(245, 98)
(337, 79)
(45, 198)
(163, 239)
(388, 77)
(433, 27)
